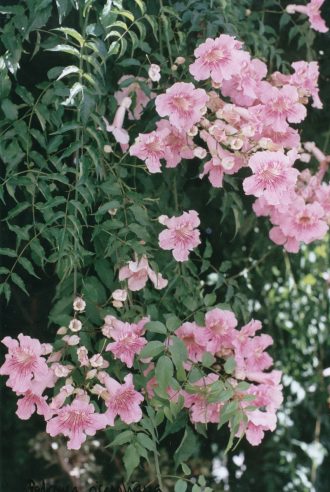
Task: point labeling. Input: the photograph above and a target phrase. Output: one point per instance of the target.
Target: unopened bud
(179, 60)
(62, 331)
(75, 325)
(107, 149)
(228, 163)
(79, 304)
(91, 374)
(193, 131)
(200, 153)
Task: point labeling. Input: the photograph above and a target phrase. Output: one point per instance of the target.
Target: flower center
(219, 328)
(25, 358)
(183, 233)
(124, 400)
(271, 174)
(305, 220)
(153, 146)
(181, 103)
(215, 55)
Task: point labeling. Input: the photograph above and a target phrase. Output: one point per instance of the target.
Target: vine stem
(159, 476)
(78, 154)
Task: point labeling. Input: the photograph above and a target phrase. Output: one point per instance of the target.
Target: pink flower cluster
(34, 368)
(70, 412)
(258, 400)
(252, 131)
(297, 203)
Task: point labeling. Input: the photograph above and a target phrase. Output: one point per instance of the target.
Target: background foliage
(59, 67)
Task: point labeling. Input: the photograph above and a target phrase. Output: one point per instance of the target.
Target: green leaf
(129, 62)
(173, 322)
(122, 438)
(145, 441)
(210, 299)
(164, 372)
(27, 265)
(153, 23)
(65, 48)
(5, 289)
(178, 351)
(10, 109)
(68, 71)
(185, 468)
(141, 6)
(18, 209)
(152, 349)
(19, 282)
(68, 31)
(229, 365)
(242, 386)
(63, 7)
(156, 327)
(208, 360)
(187, 447)
(131, 459)
(76, 89)
(180, 486)
(8, 252)
(227, 412)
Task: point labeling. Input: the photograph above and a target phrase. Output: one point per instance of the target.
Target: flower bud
(97, 360)
(228, 163)
(107, 149)
(154, 72)
(73, 340)
(79, 304)
(179, 60)
(91, 374)
(236, 143)
(200, 153)
(62, 331)
(117, 304)
(193, 131)
(75, 325)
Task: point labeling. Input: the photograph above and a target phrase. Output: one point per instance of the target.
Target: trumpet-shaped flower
(128, 342)
(313, 11)
(24, 363)
(243, 86)
(177, 145)
(194, 338)
(218, 58)
(137, 272)
(76, 421)
(122, 400)
(181, 235)
(273, 176)
(304, 222)
(281, 105)
(149, 147)
(140, 97)
(183, 104)
(220, 329)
